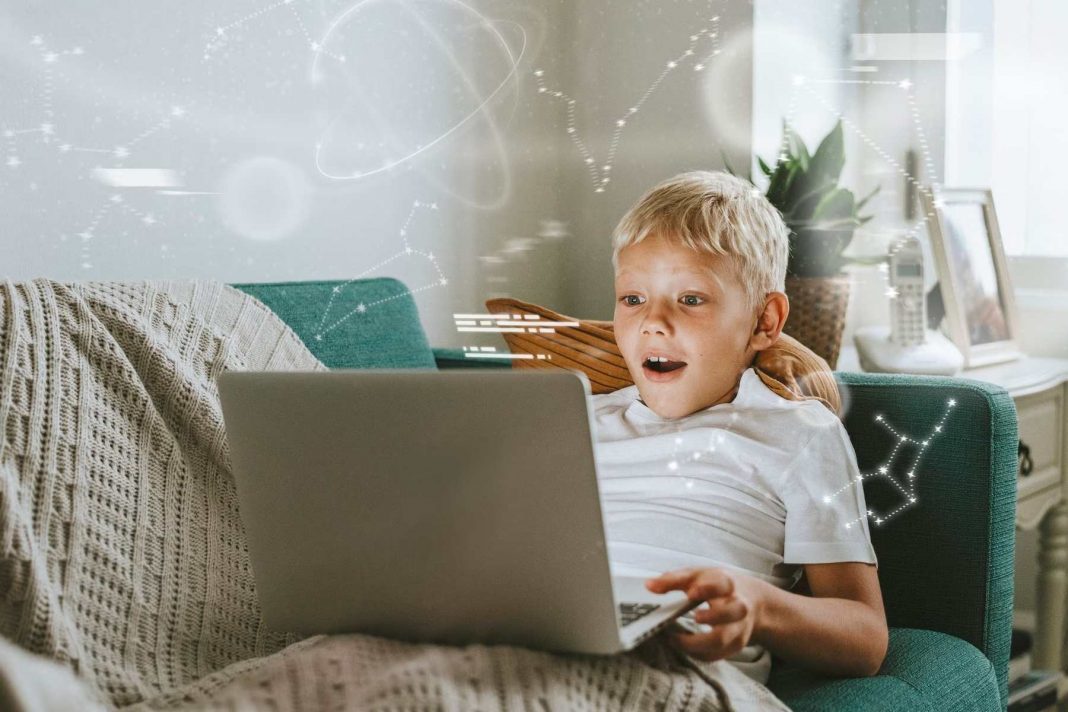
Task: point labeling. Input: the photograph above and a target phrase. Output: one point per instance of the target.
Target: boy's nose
(656, 321)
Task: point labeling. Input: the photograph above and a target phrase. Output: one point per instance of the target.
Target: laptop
(448, 507)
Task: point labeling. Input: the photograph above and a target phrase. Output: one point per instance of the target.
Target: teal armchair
(945, 561)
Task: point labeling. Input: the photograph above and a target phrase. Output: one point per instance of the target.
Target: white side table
(1039, 387)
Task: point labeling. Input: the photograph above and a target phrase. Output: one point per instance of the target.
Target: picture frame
(980, 306)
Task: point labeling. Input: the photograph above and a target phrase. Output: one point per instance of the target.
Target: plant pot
(816, 251)
(818, 313)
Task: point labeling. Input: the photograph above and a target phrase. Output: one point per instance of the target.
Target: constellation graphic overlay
(324, 328)
(908, 489)
(806, 83)
(506, 324)
(46, 134)
(600, 175)
(490, 352)
(221, 35)
(319, 50)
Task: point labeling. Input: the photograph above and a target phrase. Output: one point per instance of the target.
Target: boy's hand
(733, 609)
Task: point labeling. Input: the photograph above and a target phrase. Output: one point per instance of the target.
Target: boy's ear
(770, 321)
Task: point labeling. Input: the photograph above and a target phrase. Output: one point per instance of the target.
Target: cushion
(923, 670)
(788, 368)
(326, 315)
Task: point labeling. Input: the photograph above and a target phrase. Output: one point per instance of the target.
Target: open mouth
(658, 367)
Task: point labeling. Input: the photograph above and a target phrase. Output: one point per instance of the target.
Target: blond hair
(714, 212)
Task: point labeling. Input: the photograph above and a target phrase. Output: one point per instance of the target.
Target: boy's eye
(631, 300)
(691, 300)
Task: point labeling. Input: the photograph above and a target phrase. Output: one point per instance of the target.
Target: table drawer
(1040, 417)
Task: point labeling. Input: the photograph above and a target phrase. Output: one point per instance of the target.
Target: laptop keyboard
(630, 612)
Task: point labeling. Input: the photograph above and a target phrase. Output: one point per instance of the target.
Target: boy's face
(687, 306)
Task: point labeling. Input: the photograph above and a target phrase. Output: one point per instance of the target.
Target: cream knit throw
(123, 558)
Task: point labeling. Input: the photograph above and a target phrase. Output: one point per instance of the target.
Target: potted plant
(822, 217)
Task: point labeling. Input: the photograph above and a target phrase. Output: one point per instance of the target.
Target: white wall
(688, 123)
(104, 76)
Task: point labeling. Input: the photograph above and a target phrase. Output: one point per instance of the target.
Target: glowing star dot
(883, 470)
(407, 250)
(589, 160)
(632, 110)
(14, 161)
(698, 67)
(443, 282)
(848, 525)
(925, 442)
(571, 129)
(673, 465)
(148, 220)
(678, 441)
(891, 292)
(905, 84)
(361, 307)
(318, 337)
(672, 65)
(689, 484)
(621, 122)
(952, 402)
(879, 418)
(51, 57)
(539, 73)
(430, 255)
(826, 499)
(938, 428)
(878, 520)
(336, 290)
(542, 90)
(116, 198)
(47, 129)
(220, 31)
(177, 112)
(912, 473)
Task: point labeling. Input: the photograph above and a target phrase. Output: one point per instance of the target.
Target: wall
(231, 100)
(688, 122)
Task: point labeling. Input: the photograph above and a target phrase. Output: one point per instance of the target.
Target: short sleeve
(826, 516)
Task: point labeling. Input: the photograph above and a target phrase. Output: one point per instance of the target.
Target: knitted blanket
(124, 573)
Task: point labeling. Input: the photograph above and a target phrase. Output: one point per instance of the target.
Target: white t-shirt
(759, 485)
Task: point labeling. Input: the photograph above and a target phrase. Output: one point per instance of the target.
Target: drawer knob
(1023, 453)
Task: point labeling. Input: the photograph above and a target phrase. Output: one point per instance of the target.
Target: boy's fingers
(711, 583)
(721, 611)
(672, 580)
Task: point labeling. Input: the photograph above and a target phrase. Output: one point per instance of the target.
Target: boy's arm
(840, 630)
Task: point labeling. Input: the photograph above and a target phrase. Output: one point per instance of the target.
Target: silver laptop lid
(451, 506)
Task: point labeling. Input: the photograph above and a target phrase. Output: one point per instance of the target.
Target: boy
(707, 474)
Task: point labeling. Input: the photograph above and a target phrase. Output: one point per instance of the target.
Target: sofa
(945, 561)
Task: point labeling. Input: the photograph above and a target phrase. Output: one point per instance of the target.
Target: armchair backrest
(946, 560)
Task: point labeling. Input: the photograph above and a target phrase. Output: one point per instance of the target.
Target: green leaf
(837, 206)
(779, 182)
(796, 148)
(829, 158)
(763, 166)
